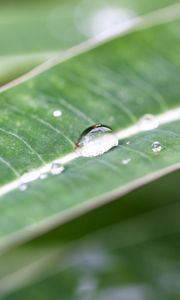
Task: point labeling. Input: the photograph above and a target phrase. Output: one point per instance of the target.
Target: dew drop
(126, 161)
(128, 143)
(57, 169)
(148, 122)
(156, 147)
(43, 176)
(23, 187)
(96, 140)
(57, 113)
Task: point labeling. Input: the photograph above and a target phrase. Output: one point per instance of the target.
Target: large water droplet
(96, 140)
(156, 147)
(57, 169)
(148, 122)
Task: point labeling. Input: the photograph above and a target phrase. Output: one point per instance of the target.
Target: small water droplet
(57, 169)
(43, 176)
(148, 122)
(128, 143)
(126, 161)
(156, 147)
(96, 140)
(57, 113)
(23, 187)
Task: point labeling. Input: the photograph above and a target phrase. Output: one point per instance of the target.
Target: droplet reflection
(156, 147)
(96, 140)
(57, 113)
(148, 122)
(126, 161)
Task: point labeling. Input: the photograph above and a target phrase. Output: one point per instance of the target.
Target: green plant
(116, 79)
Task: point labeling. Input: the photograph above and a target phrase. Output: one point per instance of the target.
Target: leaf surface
(114, 84)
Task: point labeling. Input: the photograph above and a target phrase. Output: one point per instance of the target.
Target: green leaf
(31, 32)
(115, 84)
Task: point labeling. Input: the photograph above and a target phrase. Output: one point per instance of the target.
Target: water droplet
(128, 143)
(156, 147)
(57, 113)
(96, 140)
(57, 169)
(126, 161)
(23, 187)
(148, 122)
(43, 176)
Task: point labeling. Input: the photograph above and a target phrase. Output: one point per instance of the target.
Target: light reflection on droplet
(126, 161)
(156, 147)
(96, 140)
(148, 122)
(57, 113)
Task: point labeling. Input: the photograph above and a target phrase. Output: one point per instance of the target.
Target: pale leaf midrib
(164, 118)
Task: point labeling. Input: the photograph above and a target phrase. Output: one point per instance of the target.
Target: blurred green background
(33, 31)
